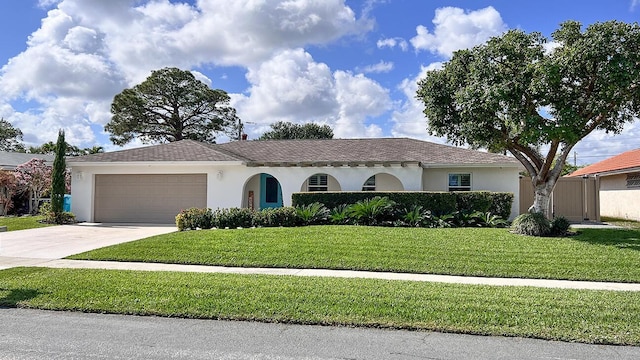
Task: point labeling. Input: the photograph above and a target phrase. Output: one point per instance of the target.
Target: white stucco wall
(500, 179)
(228, 184)
(616, 200)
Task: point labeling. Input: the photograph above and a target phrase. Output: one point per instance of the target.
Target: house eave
(613, 172)
(472, 165)
(151, 163)
(333, 164)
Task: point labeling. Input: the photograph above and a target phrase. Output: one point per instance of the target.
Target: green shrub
(276, 217)
(194, 218)
(438, 203)
(560, 226)
(470, 201)
(371, 211)
(533, 224)
(312, 214)
(339, 215)
(416, 216)
(45, 208)
(494, 221)
(501, 203)
(62, 218)
(233, 218)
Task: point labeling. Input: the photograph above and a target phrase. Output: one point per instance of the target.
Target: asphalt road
(35, 334)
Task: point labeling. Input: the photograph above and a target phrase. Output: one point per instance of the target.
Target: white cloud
(359, 98)
(86, 51)
(380, 67)
(293, 87)
(456, 29)
(408, 119)
(634, 4)
(289, 86)
(392, 43)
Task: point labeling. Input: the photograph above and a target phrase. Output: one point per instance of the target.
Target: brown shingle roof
(307, 152)
(184, 150)
(626, 160)
(359, 151)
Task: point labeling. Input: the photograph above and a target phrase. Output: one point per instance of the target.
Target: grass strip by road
(594, 254)
(14, 223)
(568, 315)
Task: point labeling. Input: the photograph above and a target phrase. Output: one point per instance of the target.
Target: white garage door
(147, 198)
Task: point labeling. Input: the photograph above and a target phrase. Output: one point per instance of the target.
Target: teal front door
(270, 192)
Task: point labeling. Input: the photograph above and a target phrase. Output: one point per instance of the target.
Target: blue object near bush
(66, 205)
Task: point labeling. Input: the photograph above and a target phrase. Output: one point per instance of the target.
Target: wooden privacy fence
(574, 198)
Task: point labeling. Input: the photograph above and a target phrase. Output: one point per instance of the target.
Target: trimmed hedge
(439, 203)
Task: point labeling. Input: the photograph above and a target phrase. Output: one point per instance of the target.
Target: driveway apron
(37, 246)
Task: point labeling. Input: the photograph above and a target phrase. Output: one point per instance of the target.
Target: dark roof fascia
(153, 163)
(336, 164)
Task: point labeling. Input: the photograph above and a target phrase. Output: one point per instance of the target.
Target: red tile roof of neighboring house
(629, 160)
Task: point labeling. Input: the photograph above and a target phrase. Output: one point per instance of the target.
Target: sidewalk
(561, 284)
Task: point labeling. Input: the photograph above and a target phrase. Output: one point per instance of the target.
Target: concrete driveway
(37, 246)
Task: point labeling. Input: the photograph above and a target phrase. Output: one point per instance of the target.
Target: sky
(353, 65)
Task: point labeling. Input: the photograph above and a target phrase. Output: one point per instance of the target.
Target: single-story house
(618, 181)
(10, 160)
(152, 184)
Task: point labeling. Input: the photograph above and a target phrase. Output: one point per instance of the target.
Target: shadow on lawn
(15, 296)
(620, 238)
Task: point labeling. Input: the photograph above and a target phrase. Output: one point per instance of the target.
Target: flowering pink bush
(8, 187)
(33, 177)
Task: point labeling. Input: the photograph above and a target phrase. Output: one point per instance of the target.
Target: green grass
(567, 315)
(594, 254)
(14, 223)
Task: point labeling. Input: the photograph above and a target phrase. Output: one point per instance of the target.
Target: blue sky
(350, 64)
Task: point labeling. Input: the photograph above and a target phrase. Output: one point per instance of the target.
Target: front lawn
(22, 222)
(568, 315)
(594, 254)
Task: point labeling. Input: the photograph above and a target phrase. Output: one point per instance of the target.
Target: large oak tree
(535, 99)
(170, 105)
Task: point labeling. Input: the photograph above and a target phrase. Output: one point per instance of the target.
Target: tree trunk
(542, 198)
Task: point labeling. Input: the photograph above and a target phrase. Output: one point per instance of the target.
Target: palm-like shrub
(416, 216)
(312, 214)
(533, 224)
(339, 215)
(371, 211)
(560, 226)
(494, 221)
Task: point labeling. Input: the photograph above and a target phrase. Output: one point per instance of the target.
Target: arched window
(318, 182)
(370, 184)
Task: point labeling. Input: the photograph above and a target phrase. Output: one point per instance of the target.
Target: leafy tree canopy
(10, 137)
(71, 150)
(515, 93)
(287, 131)
(170, 105)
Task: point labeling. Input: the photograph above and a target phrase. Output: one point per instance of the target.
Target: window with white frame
(459, 182)
(370, 184)
(633, 180)
(318, 182)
